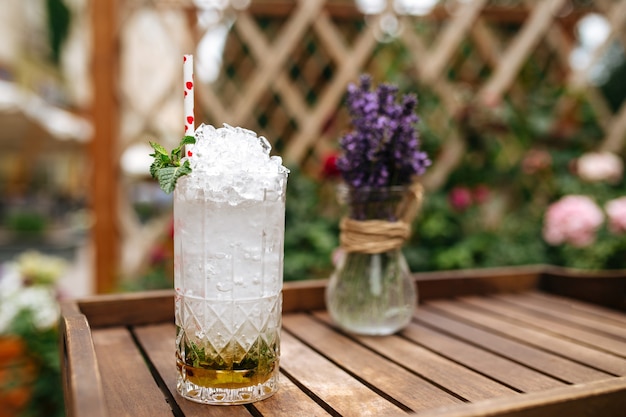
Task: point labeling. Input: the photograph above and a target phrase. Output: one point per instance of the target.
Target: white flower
(41, 303)
(600, 166)
(40, 268)
(39, 300)
(10, 285)
(8, 311)
(10, 279)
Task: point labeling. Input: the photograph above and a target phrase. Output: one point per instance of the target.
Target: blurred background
(522, 103)
(512, 93)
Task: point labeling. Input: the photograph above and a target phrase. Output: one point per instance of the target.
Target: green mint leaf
(154, 168)
(188, 140)
(158, 149)
(166, 168)
(168, 176)
(184, 169)
(160, 161)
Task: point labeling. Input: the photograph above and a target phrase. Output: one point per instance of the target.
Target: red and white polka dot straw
(190, 126)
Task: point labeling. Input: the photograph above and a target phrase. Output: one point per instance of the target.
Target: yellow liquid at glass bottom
(229, 379)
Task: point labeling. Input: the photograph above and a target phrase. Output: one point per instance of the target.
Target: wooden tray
(482, 343)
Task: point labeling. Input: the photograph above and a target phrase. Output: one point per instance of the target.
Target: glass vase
(371, 292)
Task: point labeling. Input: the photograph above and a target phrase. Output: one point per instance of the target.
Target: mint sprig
(166, 167)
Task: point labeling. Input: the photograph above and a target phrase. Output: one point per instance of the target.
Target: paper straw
(188, 110)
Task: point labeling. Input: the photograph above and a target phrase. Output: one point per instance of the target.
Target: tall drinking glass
(229, 216)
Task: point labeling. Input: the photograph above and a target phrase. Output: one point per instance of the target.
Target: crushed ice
(234, 161)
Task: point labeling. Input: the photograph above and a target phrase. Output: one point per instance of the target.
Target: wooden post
(104, 154)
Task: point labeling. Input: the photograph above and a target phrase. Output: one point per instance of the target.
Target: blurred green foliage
(26, 223)
(311, 235)
(524, 164)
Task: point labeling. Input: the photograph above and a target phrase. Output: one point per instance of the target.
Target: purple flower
(383, 149)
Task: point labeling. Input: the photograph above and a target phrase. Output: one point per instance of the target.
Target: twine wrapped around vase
(378, 236)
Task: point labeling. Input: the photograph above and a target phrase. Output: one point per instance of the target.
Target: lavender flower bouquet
(383, 150)
(371, 291)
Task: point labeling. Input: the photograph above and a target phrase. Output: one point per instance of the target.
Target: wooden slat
(602, 398)
(287, 39)
(304, 295)
(487, 45)
(616, 136)
(129, 308)
(449, 41)
(452, 153)
(605, 288)
(290, 401)
(104, 153)
(158, 342)
(330, 36)
(82, 383)
(538, 23)
(464, 382)
(128, 385)
(554, 326)
(214, 106)
(454, 323)
(294, 103)
(344, 394)
(448, 284)
(347, 71)
(592, 310)
(500, 369)
(414, 392)
(495, 318)
(580, 319)
(158, 305)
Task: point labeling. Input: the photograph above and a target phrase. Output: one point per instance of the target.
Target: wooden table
(485, 343)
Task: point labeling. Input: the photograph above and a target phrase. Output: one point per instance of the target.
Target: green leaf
(160, 161)
(169, 175)
(154, 168)
(166, 167)
(175, 157)
(188, 140)
(159, 149)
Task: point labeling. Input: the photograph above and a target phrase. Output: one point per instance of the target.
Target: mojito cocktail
(229, 215)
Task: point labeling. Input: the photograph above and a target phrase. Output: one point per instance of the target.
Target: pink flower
(573, 219)
(460, 198)
(616, 211)
(600, 166)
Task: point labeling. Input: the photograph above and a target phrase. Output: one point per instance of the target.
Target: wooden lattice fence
(286, 65)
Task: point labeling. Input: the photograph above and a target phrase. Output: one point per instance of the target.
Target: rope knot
(378, 236)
